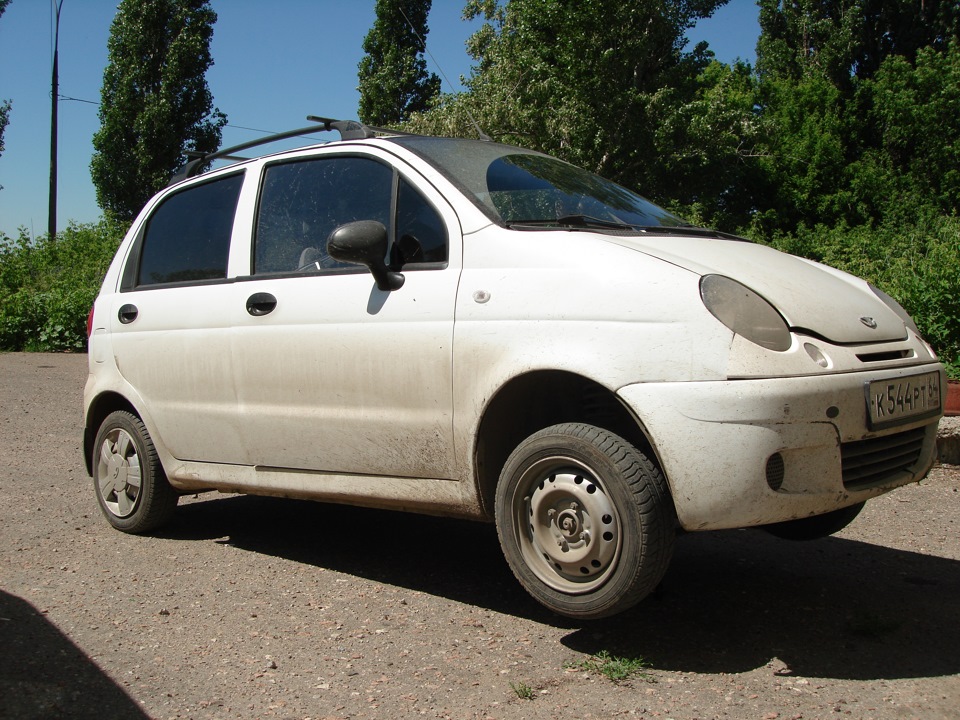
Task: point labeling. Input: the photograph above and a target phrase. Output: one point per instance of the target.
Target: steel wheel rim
(567, 526)
(119, 474)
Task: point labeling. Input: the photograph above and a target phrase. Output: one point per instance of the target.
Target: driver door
(333, 375)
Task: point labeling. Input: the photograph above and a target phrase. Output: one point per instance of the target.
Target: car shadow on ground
(44, 676)
(731, 602)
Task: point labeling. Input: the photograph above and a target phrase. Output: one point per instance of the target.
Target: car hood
(811, 297)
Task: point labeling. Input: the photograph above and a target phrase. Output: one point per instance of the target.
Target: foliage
(47, 287)
(155, 103)
(912, 112)
(5, 106)
(848, 40)
(393, 74)
(804, 154)
(709, 162)
(855, 98)
(615, 669)
(523, 691)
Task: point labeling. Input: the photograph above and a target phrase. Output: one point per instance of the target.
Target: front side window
(187, 238)
(302, 202)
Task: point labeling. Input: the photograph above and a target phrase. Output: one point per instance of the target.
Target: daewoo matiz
(465, 328)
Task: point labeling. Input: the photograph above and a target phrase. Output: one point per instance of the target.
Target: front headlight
(745, 312)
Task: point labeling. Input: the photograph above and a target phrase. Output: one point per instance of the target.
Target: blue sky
(275, 63)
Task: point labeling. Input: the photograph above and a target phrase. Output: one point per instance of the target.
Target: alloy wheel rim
(119, 475)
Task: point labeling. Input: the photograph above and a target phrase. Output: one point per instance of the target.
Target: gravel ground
(264, 608)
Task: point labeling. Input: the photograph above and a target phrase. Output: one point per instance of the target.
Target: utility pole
(55, 100)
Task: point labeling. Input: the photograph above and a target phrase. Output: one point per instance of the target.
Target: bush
(48, 286)
(926, 281)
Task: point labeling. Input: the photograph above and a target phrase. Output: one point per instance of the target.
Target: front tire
(129, 481)
(585, 520)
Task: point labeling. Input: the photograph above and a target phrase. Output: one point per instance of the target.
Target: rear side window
(188, 236)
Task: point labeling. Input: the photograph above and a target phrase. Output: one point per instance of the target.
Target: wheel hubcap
(118, 473)
(568, 527)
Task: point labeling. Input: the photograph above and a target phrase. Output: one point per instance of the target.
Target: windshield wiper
(584, 221)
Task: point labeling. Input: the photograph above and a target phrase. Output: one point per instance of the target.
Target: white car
(464, 328)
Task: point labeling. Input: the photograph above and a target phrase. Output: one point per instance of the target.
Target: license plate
(902, 400)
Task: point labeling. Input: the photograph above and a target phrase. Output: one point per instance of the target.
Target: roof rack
(348, 129)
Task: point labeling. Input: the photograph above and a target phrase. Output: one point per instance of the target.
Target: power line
(73, 99)
(229, 125)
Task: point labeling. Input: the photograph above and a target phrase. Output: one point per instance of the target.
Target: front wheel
(585, 520)
(131, 486)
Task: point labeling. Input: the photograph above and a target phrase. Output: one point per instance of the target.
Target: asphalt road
(264, 608)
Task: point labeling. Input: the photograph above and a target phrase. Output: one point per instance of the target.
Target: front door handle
(127, 313)
(261, 303)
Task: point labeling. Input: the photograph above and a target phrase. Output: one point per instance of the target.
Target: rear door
(171, 321)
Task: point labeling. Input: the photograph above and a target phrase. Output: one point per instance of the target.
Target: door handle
(127, 313)
(261, 303)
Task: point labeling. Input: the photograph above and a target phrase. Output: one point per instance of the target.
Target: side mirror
(364, 242)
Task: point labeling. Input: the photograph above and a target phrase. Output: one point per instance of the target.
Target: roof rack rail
(348, 129)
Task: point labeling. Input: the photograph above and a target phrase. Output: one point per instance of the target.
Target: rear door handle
(127, 313)
(261, 303)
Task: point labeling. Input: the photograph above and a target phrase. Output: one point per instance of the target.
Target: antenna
(476, 126)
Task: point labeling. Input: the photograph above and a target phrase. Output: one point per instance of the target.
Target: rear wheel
(131, 487)
(817, 526)
(585, 520)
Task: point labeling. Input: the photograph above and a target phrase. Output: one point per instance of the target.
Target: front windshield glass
(517, 187)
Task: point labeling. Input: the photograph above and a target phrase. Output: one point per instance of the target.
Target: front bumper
(739, 453)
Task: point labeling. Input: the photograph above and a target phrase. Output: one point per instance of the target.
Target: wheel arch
(536, 400)
(99, 409)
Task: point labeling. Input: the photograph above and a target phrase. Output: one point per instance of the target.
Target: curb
(948, 441)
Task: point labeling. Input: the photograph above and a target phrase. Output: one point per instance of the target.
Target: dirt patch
(264, 608)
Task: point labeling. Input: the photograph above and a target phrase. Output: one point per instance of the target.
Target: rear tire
(585, 520)
(817, 526)
(129, 482)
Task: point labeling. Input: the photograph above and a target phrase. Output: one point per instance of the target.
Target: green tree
(847, 40)
(913, 112)
(844, 98)
(155, 102)
(393, 74)
(708, 161)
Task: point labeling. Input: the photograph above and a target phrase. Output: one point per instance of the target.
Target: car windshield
(517, 187)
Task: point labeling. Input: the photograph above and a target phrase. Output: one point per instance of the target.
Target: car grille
(866, 463)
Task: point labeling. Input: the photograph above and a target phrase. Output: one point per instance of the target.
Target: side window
(421, 234)
(302, 202)
(188, 236)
